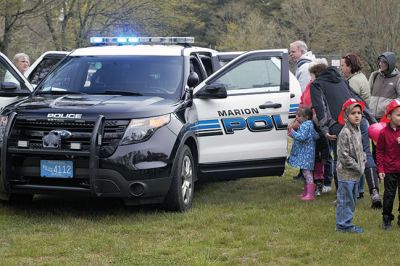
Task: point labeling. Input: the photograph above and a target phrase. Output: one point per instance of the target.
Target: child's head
(303, 114)
(392, 114)
(351, 111)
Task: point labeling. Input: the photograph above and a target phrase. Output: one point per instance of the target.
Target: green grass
(257, 221)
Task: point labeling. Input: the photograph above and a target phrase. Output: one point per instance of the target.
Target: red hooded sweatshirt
(388, 150)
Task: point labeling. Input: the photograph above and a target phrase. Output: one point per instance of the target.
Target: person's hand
(398, 140)
(330, 137)
(381, 176)
(295, 124)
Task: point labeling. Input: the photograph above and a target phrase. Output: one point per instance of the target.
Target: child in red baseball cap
(387, 159)
(350, 165)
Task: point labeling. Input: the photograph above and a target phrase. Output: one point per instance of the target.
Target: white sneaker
(326, 189)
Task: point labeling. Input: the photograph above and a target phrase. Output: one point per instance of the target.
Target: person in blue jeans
(350, 165)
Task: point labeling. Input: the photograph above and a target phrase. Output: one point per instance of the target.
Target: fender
(184, 135)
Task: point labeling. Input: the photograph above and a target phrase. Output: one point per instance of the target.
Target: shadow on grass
(78, 207)
(207, 192)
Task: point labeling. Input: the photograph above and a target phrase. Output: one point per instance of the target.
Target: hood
(112, 106)
(330, 74)
(390, 58)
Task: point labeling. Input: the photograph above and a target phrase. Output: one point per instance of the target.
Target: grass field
(257, 221)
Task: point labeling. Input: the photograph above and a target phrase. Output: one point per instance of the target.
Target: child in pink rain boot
(302, 154)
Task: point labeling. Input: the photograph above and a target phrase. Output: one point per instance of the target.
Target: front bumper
(138, 172)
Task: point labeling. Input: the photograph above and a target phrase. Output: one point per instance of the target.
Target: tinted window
(147, 75)
(42, 69)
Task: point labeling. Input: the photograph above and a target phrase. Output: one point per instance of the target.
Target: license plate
(56, 169)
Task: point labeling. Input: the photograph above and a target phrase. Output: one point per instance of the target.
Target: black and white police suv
(144, 119)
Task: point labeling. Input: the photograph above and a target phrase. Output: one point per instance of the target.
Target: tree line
(327, 26)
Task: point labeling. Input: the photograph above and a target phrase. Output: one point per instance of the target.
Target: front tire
(180, 194)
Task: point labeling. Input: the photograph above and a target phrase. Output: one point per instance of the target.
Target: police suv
(144, 119)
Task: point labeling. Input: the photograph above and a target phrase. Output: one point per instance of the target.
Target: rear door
(243, 133)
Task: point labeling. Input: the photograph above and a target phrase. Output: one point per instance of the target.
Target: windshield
(121, 75)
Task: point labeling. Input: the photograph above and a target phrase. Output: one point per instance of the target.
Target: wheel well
(191, 143)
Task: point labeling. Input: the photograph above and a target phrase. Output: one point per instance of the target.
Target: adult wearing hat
(384, 84)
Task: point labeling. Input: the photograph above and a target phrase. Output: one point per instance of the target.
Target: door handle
(292, 95)
(270, 105)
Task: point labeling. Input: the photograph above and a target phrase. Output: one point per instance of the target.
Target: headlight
(140, 130)
(3, 124)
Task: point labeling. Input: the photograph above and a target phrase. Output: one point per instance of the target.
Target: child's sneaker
(318, 189)
(326, 189)
(355, 230)
(376, 200)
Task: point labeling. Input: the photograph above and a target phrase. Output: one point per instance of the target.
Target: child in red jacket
(387, 157)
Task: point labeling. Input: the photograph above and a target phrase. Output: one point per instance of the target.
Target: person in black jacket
(329, 91)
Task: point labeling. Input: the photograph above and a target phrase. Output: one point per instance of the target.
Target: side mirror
(213, 91)
(9, 86)
(193, 79)
(10, 89)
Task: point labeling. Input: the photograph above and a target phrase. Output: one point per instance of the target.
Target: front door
(9, 73)
(245, 133)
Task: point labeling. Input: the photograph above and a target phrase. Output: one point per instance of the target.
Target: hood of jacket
(331, 75)
(390, 58)
(306, 58)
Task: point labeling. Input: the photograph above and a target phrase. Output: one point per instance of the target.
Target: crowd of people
(331, 142)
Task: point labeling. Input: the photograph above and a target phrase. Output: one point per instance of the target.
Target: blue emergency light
(140, 40)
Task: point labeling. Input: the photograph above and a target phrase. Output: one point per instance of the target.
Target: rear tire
(180, 194)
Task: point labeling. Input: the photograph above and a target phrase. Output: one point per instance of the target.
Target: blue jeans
(346, 203)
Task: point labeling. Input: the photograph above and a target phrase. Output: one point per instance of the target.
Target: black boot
(386, 222)
(373, 184)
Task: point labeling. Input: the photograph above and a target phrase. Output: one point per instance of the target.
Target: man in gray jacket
(302, 58)
(384, 84)
(300, 55)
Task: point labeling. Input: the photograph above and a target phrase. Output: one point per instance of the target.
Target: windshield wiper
(61, 92)
(123, 93)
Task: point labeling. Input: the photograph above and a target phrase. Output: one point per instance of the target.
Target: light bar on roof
(140, 40)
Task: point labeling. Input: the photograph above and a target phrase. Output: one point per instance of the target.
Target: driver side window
(258, 75)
